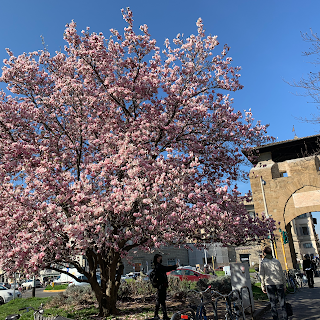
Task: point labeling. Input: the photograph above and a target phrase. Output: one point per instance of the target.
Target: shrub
(221, 284)
(131, 289)
(140, 288)
(178, 288)
(74, 295)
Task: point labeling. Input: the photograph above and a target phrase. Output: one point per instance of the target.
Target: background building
(304, 237)
(214, 255)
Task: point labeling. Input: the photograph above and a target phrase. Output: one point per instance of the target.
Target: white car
(29, 283)
(74, 282)
(7, 294)
(133, 275)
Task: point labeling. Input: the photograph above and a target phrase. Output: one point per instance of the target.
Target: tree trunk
(107, 292)
(107, 299)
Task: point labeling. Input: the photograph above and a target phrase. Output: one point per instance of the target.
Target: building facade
(304, 236)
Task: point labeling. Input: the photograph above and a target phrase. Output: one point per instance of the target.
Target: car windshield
(190, 273)
(3, 288)
(177, 272)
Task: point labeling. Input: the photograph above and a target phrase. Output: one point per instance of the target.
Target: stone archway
(304, 200)
(285, 183)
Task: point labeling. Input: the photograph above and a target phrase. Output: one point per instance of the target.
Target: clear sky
(264, 36)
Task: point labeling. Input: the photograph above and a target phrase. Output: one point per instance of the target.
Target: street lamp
(263, 183)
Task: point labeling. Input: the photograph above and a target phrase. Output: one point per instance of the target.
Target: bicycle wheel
(291, 288)
(238, 311)
(229, 314)
(297, 283)
(304, 282)
(206, 311)
(184, 314)
(202, 313)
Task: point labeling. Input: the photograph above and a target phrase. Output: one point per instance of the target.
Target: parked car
(7, 294)
(133, 275)
(17, 286)
(67, 278)
(28, 284)
(74, 282)
(124, 278)
(5, 284)
(188, 274)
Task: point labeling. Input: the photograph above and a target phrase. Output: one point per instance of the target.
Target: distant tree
(311, 84)
(114, 145)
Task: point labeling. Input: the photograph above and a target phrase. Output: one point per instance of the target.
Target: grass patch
(252, 270)
(13, 307)
(57, 287)
(220, 273)
(257, 292)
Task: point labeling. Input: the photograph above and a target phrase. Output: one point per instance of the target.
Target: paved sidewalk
(305, 303)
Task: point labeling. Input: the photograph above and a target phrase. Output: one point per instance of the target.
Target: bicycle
(233, 302)
(17, 316)
(300, 278)
(37, 314)
(206, 309)
(290, 283)
(198, 311)
(295, 277)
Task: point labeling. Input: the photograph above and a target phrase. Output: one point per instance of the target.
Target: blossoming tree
(114, 145)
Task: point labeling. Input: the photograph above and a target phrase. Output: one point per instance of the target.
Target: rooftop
(290, 149)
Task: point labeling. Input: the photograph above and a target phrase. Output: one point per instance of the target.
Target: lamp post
(33, 287)
(14, 286)
(262, 183)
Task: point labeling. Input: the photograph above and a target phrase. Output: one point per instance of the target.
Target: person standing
(273, 283)
(161, 272)
(307, 267)
(313, 265)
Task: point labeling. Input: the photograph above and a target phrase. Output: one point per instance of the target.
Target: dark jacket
(162, 272)
(306, 264)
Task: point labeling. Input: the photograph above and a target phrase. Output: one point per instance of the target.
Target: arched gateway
(285, 183)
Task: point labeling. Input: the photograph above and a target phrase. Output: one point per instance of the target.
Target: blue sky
(264, 36)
